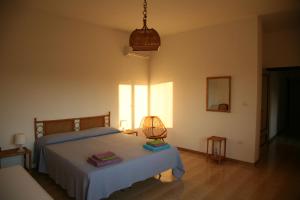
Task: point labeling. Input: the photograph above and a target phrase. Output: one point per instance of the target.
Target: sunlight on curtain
(125, 106)
(140, 104)
(161, 102)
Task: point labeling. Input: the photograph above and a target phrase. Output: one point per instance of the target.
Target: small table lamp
(123, 125)
(20, 141)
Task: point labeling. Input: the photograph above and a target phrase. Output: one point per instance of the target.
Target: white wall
(281, 48)
(186, 59)
(53, 67)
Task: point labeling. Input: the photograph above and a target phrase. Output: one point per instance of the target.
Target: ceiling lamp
(144, 39)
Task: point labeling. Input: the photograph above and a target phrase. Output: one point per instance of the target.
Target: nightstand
(130, 132)
(216, 152)
(14, 152)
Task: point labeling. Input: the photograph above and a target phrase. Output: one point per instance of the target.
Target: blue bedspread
(66, 163)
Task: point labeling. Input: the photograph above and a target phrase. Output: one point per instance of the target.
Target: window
(161, 102)
(140, 104)
(125, 109)
(134, 105)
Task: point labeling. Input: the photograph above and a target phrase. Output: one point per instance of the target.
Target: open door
(264, 126)
(294, 107)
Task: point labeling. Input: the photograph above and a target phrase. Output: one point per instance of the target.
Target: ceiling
(166, 16)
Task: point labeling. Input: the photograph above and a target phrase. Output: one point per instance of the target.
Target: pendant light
(144, 39)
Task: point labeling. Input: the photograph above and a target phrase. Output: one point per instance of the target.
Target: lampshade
(20, 139)
(153, 128)
(144, 39)
(123, 124)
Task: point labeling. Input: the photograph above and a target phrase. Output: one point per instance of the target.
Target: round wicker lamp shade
(153, 128)
(144, 40)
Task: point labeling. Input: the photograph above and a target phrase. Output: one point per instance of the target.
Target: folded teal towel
(151, 148)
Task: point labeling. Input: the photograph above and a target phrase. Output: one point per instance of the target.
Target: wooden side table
(216, 153)
(14, 152)
(130, 132)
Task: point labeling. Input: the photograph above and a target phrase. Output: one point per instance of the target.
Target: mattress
(64, 159)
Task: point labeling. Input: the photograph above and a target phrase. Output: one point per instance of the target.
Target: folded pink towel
(98, 163)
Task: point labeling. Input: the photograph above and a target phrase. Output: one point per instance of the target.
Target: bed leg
(159, 176)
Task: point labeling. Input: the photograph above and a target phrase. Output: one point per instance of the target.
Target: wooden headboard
(49, 127)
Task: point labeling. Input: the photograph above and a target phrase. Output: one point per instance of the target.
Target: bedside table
(130, 132)
(216, 153)
(14, 152)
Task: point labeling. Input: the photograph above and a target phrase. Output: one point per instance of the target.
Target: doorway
(264, 130)
(294, 107)
(283, 102)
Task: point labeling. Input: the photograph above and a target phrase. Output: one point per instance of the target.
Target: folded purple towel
(98, 163)
(103, 155)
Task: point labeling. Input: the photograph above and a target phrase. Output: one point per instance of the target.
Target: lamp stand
(20, 149)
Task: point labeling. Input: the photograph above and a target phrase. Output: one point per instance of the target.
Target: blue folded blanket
(151, 148)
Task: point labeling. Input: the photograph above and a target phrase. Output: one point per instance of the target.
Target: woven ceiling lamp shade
(144, 39)
(153, 128)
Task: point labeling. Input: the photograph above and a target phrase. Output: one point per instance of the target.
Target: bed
(17, 184)
(63, 146)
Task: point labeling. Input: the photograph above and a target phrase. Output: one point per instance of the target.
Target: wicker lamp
(153, 128)
(144, 39)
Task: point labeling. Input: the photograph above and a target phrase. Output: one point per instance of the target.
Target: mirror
(218, 94)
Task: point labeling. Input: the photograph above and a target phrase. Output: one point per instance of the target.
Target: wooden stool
(216, 155)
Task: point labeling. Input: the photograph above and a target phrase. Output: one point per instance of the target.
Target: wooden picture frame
(218, 94)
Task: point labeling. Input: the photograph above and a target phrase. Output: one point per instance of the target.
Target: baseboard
(204, 154)
(191, 151)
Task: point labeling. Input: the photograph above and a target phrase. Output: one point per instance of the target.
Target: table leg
(24, 160)
(213, 148)
(29, 160)
(225, 148)
(207, 143)
(220, 151)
